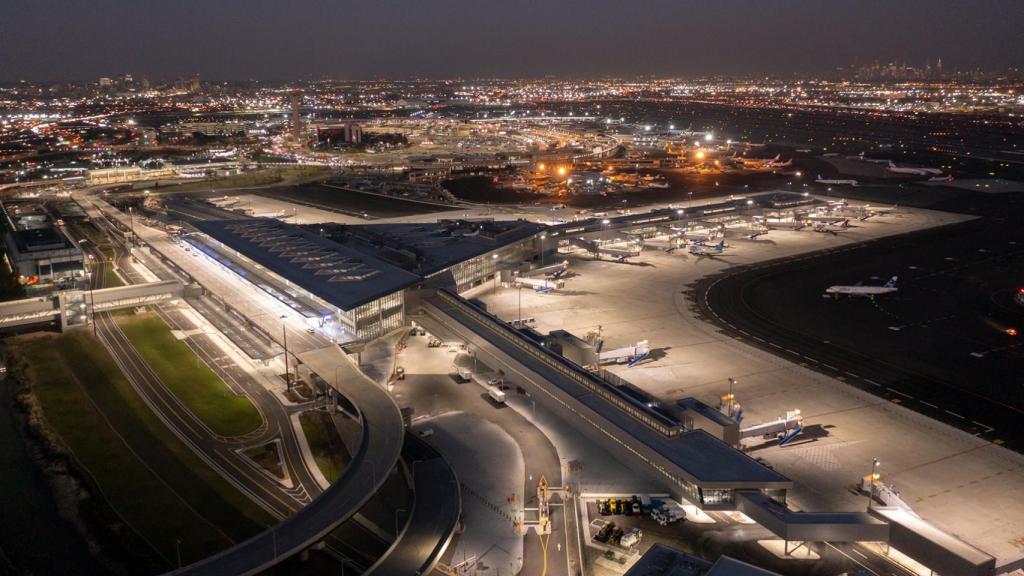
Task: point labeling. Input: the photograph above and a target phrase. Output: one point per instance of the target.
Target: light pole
(177, 547)
(287, 373)
(520, 305)
(131, 223)
(542, 238)
(871, 481)
(92, 297)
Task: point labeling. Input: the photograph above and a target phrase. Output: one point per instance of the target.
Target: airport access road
(356, 545)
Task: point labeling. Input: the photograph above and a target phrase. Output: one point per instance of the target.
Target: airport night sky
(242, 39)
(556, 287)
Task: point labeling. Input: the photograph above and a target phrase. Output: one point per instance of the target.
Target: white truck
(497, 395)
(631, 538)
(668, 513)
(465, 374)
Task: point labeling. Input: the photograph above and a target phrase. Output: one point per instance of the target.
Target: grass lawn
(110, 278)
(149, 478)
(324, 442)
(192, 381)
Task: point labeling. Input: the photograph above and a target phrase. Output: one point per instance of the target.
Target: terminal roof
(431, 247)
(336, 273)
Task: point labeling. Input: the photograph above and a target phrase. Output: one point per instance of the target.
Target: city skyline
(62, 41)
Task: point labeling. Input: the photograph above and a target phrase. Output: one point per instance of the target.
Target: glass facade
(379, 317)
(475, 270)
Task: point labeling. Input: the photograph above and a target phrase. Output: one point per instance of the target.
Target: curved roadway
(382, 434)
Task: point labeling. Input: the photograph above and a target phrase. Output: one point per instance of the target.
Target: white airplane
(850, 182)
(859, 290)
(831, 227)
(914, 171)
(705, 250)
(911, 171)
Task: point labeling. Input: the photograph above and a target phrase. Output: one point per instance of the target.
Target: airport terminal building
(353, 278)
(37, 252)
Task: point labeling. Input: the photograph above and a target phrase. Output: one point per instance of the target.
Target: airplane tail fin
(892, 282)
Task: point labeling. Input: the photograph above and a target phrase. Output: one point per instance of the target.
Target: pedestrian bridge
(76, 307)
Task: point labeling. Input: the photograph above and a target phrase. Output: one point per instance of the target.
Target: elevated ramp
(383, 434)
(925, 543)
(75, 307)
(811, 526)
(435, 514)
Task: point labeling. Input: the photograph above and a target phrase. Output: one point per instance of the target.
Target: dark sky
(239, 39)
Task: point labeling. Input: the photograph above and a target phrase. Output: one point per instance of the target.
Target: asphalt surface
(938, 346)
(434, 516)
(541, 459)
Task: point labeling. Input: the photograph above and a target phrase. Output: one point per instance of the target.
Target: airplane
(704, 250)
(755, 235)
(831, 227)
(911, 171)
(948, 178)
(850, 182)
(859, 290)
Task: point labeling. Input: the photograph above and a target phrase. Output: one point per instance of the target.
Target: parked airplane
(831, 227)
(705, 250)
(911, 171)
(850, 182)
(859, 290)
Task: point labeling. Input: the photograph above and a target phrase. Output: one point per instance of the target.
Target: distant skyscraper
(296, 100)
(194, 84)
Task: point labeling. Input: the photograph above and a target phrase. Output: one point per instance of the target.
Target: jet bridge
(597, 249)
(75, 307)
